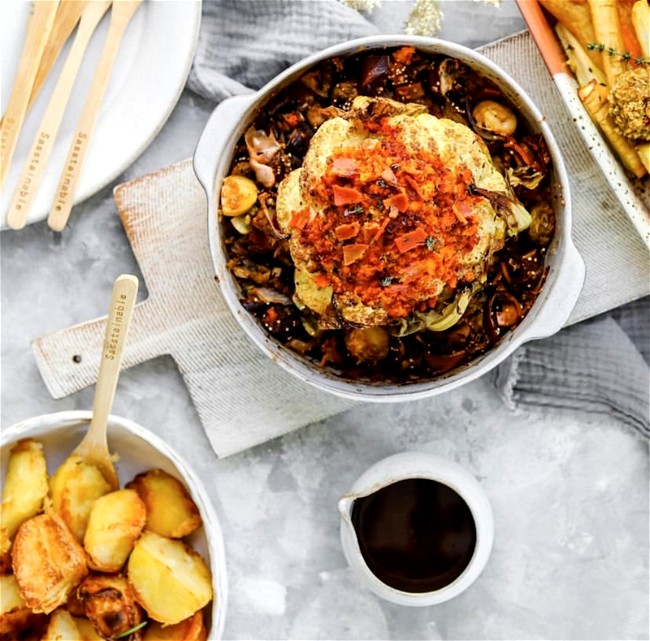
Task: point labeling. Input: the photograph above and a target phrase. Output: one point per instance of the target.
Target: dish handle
(223, 125)
(563, 297)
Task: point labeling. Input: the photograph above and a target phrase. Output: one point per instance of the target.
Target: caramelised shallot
(262, 149)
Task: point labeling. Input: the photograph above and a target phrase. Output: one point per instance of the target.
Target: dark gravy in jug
(416, 535)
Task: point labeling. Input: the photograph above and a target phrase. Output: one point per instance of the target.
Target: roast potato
(61, 627)
(24, 489)
(87, 630)
(115, 522)
(48, 562)
(10, 597)
(168, 578)
(108, 604)
(170, 509)
(5, 551)
(16, 619)
(75, 486)
(192, 629)
(74, 605)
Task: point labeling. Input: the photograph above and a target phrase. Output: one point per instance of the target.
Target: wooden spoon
(121, 13)
(39, 27)
(93, 448)
(34, 168)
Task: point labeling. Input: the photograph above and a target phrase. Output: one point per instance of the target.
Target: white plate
(146, 81)
(139, 450)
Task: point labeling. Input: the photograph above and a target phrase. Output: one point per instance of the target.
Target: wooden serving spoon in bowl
(93, 448)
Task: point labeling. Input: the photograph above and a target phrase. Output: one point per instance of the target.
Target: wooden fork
(40, 25)
(121, 13)
(65, 20)
(39, 154)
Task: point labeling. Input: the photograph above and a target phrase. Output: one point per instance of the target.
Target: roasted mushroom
(495, 117)
(109, 605)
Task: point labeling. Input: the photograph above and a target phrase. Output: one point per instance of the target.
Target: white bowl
(139, 450)
(566, 270)
(418, 465)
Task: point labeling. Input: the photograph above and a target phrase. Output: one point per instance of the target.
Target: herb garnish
(626, 56)
(432, 243)
(135, 628)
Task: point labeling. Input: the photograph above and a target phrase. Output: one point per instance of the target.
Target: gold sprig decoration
(362, 5)
(425, 17)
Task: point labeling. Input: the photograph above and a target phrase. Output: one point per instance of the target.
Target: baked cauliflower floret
(391, 211)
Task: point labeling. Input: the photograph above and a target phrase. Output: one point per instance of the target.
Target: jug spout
(345, 506)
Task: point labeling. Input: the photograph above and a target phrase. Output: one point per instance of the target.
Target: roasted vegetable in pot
(168, 578)
(449, 316)
(262, 150)
(542, 223)
(368, 344)
(238, 195)
(170, 510)
(495, 117)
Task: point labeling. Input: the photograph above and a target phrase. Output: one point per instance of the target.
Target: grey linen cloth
(245, 43)
(599, 366)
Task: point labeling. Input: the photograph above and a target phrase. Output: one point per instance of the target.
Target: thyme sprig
(130, 631)
(625, 56)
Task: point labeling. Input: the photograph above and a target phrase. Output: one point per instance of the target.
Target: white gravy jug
(380, 482)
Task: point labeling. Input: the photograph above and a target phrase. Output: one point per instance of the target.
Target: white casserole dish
(549, 313)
